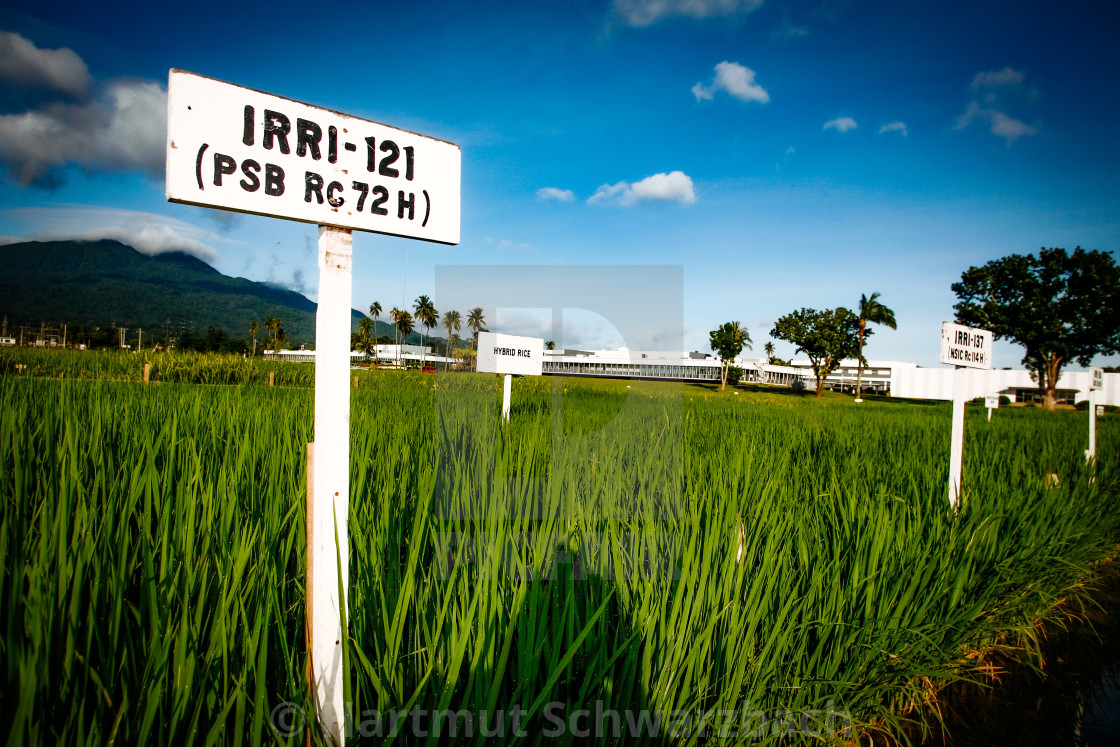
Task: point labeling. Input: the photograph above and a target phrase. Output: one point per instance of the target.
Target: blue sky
(786, 154)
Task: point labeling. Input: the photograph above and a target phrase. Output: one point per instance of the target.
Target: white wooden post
(1091, 452)
(327, 511)
(956, 449)
(507, 388)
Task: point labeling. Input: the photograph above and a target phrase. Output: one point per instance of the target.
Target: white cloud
(899, 127)
(553, 193)
(149, 233)
(126, 129)
(647, 12)
(996, 79)
(676, 186)
(993, 92)
(736, 80)
(24, 65)
(841, 124)
(999, 123)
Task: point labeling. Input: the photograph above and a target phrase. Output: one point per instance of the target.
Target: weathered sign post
(235, 148)
(509, 355)
(964, 347)
(1096, 383)
(991, 402)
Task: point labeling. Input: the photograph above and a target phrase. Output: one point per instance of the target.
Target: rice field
(657, 564)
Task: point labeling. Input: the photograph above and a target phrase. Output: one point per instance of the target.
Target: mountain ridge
(108, 283)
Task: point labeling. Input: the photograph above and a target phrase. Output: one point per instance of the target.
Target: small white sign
(966, 346)
(510, 354)
(991, 401)
(239, 149)
(1100, 410)
(1096, 379)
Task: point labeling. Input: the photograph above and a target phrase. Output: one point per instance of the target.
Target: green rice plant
(661, 552)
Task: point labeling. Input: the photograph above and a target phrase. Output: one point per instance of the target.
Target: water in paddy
(1074, 701)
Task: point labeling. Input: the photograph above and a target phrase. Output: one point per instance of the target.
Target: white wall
(937, 383)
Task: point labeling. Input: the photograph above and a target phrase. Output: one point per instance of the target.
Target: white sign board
(510, 354)
(991, 401)
(966, 346)
(1096, 379)
(239, 149)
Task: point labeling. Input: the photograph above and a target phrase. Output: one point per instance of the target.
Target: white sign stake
(956, 449)
(235, 148)
(509, 354)
(507, 387)
(963, 347)
(992, 403)
(329, 512)
(1096, 381)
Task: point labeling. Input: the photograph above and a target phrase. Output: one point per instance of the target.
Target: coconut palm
(253, 327)
(476, 322)
(550, 345)
(428, 317)
(272, 324)
(769, 348)
(452, 323)
(404, 326)
(394, 317)
(870, 311)
(375, 312)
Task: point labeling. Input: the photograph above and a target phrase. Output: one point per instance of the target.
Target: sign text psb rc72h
(239, 149)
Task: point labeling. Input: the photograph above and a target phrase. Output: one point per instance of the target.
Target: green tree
(375, 312)
(550, 345)
(395, 317)
(273, 325)
(404, 326)
(1060, 306)
(873, 312)
(452, 322)
(365, 345)
(827, 337)
(727, 342)
(428, 317)
(769, 348)
(477, 323)
(253, 328)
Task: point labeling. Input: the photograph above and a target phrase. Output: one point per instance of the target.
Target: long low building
(902, 379)
(660, 365)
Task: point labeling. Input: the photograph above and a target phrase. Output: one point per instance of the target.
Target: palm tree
(404, 326)
(452, 323)
(427, 315)
(870, 310)
(253, 327)
(272, 324)
(375, 312)
(394, 317)
(550, 345)
(366, 345)
(476, 322)
(769, 348)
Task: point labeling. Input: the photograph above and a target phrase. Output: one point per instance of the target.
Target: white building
(659, 365)
(385, 354)
(901, 379)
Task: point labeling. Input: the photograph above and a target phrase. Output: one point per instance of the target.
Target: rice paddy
(660, 564)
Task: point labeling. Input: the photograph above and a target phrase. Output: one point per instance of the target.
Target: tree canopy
(727, 342)
(1060, 306)
(827, 337)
